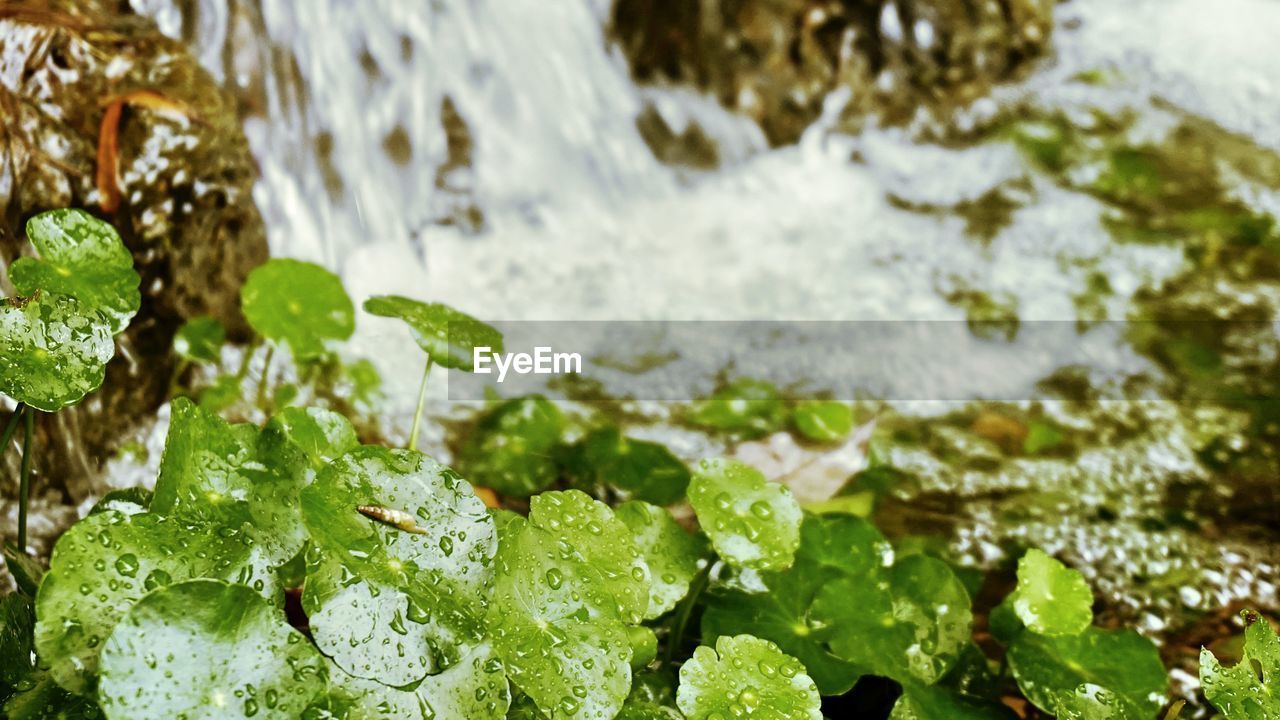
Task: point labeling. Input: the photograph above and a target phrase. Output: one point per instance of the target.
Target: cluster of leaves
(287, 570)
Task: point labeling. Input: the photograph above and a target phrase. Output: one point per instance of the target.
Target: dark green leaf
(911, 624)
(449, 337)
(831, 547)
(297, 303)
(26, 570)
(200, 339)
(511, 449)
(203, 648)
(1121, 661)
(924, 702)
(17, 649)
(127, 501)
(636, 468)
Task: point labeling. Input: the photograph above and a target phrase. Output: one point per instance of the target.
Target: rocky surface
(778, 60)
(103, 112)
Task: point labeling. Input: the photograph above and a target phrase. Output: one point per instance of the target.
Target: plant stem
(24, 480)
(11, 427)
(249, 351)
(422, 402)
(262, 381)
(681, 619)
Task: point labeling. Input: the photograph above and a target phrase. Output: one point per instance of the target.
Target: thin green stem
(24, 481)
(249, 351)
(11, 427)
(680, 621)
(262, 381)
(422, 402)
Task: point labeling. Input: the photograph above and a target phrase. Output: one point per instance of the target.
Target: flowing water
(485, 153)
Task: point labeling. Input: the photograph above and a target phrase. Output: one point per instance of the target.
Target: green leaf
(1250, 690)
(84, 258)
(1091, 702)
(1051, 598)
(924, 702)
(385, 603)
(297, 303)
(205, 647)
(107, 562)
(671, 555)
(823, 420)
(752, 522)
(637, 710)
(212, 471)
(511, 448)
(26, 570)
(200, 339)
(17, 649)
(636, 468)
(830, 548)
(474, 688)
(448, 336)
(53, 351)
(41, 699)
(745, 408)
(568, 580)
(746, 677)
(1121, 661)
(126, 501)
(223, 393)
(321, 436)
(910, 623)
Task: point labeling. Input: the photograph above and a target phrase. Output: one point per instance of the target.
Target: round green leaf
(831, 547)
(636, 468)
(212, 471)
(671, 554)
(474, 688)
(321, 436)
(297, 303)
(207, 648)
(448, 336)
(1251, 688)
(84, 258)
(1051, 598)
(823, 420)
(1123, 662)
(745, 408)
(388, 603)
(511, 448)
(53, 350)
(200, 339)
(752, 522)
(106, 563)
(746, 677)
(555, 613)
(910, 623)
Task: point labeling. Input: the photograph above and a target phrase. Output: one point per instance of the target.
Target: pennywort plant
(286, 569)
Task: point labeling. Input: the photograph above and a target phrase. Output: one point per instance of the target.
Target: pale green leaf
(1051, 598)
(1249, 690)
(746, 677)
(752, 523)
(671, 555)
(297, 303)
(53, 350)
(448, 336)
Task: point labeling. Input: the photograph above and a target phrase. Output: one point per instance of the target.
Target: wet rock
(778, 60)
(103, 112)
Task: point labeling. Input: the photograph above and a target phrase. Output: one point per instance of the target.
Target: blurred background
(992, 162)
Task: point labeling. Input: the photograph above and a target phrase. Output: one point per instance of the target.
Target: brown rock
(79, 80)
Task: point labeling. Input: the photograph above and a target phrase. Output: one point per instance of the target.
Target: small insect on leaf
(395, 518)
